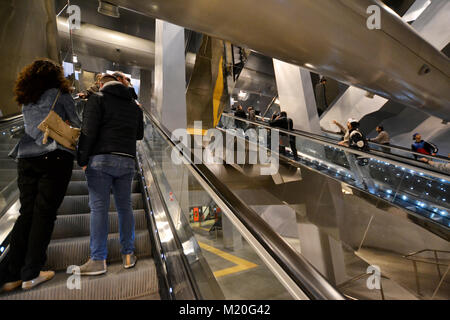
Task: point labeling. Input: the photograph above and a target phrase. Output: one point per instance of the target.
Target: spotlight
(108, 9)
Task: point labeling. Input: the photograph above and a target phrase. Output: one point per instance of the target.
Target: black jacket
(358, 140)
(133, 93)
(240, 114)
(112, 122)
(282, 123)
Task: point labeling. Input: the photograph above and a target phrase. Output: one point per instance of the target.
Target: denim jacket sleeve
(32, 118)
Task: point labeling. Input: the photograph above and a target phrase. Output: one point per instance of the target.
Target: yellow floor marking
(200, 225)
(241, 264)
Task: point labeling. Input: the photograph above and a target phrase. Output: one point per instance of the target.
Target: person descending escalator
(382, 138)
(358, 141)
(44, 173)
(107, 149)
(423, 147)
(283, 122)
(240, 113)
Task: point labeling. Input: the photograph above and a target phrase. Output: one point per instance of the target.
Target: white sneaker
(43, 277)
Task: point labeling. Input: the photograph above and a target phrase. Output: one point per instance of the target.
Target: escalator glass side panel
(370, 243)
(10, 134)
(226, 264)
(423, 193)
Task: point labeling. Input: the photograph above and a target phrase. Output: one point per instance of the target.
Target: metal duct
(27, 32)
(122, 48)
(113, 46)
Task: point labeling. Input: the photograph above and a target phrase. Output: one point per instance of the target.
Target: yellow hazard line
(241, 264)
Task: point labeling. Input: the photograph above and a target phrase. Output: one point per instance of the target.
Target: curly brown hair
(38, 77)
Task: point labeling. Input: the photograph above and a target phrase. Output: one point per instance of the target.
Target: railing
(415, 259)
(423, 192)
(401, 151)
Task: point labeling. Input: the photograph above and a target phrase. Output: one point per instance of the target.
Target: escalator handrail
(327, 142)
(297, 132)
(306, 277)
(333, 141)
(10, 118)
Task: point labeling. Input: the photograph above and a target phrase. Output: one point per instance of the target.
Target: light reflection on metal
(108, 9)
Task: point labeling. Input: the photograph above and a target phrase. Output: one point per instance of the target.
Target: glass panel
(416, 191)
(10, 134)
(374, 229)
(237, 268)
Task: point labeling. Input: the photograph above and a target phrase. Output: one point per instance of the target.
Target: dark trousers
(293, 143)
(43, 183)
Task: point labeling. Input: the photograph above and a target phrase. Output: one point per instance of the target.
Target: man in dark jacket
(283, 122)
(112, 122)
(240, 113)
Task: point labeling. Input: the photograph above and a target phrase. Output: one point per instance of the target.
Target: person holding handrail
(423, 147)
(441, 166)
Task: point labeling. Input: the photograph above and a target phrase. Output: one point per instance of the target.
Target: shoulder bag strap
(56, 100)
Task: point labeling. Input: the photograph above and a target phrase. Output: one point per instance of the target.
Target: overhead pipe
(94, 41)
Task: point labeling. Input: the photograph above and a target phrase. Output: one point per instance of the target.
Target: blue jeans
(103, 173)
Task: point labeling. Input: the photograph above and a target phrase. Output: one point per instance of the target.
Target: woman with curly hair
(44, 172)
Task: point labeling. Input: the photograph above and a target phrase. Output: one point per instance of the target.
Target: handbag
(54, 127)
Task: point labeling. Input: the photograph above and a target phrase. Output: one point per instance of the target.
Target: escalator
(175, 261)
(394, 176)
(346, 210)
(70, 247)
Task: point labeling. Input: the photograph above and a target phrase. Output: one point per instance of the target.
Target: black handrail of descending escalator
(393, 159)
(391, 147)
(326, 139)
(305, 276)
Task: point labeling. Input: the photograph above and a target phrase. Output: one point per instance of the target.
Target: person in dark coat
(112, 124)
(283, 122)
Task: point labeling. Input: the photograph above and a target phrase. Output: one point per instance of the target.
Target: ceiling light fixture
(108, 9)
(243, 95)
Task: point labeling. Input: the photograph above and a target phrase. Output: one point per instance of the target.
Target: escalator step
(80, 188)
(80, 204)
(8, 164)
(4, 154)
(77, 225)
(78, 175)
(117, 284)
(75, 251)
